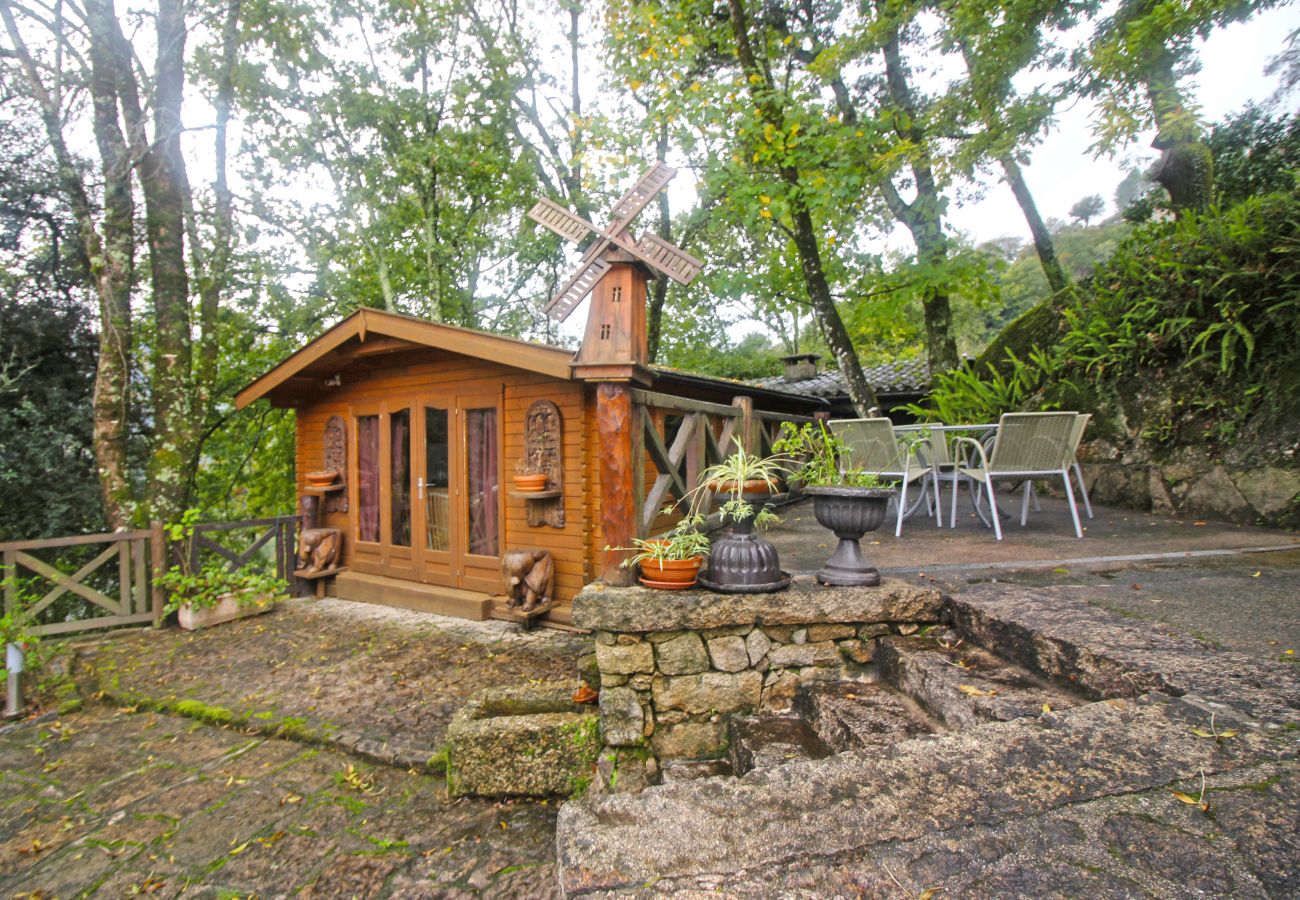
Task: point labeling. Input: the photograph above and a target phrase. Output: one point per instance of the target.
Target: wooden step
(430, 598)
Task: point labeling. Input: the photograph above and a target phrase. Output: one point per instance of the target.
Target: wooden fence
(705, 435)
(139, 556)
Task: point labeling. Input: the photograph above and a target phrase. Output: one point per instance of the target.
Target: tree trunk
(177, 412)
(804, 233)
(923, 217)
(1185, 168)
(1056, 277)
(109, 261)
(654, 312)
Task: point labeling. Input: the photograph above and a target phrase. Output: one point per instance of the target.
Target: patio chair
(1072, 463)
(1027, 446)
(872, 447)
(1076, 437)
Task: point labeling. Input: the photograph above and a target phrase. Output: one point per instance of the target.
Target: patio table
(945, 469)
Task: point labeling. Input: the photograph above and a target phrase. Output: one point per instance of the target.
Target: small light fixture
(334, 381)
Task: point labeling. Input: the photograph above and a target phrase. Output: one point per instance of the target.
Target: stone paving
(121, 799)
(379, 681)
(127, 797)
(122, 804)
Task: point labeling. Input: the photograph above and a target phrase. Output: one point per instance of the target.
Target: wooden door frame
(486, 574)
(425, 556)
(383, 557)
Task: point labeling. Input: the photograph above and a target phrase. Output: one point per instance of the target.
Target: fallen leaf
(1047, 707)
(585, 694)
(1198, 524)
(973, 691)
(1255, 574)
(907, 629)
(1136, 587)
(1186, 798)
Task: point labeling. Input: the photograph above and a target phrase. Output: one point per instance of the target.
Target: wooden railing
(280, 529)
(705, 434)
(127, 596)
(137, 554)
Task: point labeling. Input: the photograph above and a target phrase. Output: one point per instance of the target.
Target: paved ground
(1048, 536)
(116, 805)
(128, 799)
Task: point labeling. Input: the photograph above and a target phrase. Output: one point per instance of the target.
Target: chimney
(799, 366)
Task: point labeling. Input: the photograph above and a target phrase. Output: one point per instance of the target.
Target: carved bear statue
(529, 577)
(318, 548)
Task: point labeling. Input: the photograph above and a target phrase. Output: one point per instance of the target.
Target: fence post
(744, 431)
(11, 585)
(158, 559)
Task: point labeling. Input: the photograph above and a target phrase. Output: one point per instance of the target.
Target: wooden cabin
(425, 424)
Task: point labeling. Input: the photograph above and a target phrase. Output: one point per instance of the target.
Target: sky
(1061, 172)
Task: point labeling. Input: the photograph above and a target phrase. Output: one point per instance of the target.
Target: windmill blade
(635, 200)
(560, 220)
(668, 258)
(579, 286)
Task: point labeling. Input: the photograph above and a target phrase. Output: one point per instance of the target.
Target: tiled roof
(908, 376)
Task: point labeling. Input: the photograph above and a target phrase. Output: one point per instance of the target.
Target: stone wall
(673, 666)
(1267, 495)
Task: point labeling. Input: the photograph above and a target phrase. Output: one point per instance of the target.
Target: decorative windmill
(616, 268)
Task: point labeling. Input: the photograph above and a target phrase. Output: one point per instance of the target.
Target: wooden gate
(137, 555)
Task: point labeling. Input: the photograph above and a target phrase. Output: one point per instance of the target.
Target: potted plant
(848, 503)
(672, 562)
(214, 593)
(530, 477)
(740, 560)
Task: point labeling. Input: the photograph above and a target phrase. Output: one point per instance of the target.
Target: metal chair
(1072, 461)
(872, 447)
(1027, 446)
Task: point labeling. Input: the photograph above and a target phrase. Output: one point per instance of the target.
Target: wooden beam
(618, 477)
(682, 404)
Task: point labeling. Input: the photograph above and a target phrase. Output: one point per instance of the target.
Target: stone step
(963, 685)
(761, 741)
(850, 715)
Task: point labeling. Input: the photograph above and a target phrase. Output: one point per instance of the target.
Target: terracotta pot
(755, 486)
(529, 484)
(321, 479)
(671, 574)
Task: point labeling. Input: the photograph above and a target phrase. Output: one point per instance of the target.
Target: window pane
(368, 478)
(399, 431)
(437, 480)
(481, 479)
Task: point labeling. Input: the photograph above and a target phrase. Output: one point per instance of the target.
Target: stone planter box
(673, 667)
(227, 609)
(524, 742)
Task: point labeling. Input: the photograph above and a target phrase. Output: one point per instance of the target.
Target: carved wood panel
(336, 458)
(544, 450)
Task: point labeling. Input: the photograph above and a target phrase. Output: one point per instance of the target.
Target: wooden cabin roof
(372, 332)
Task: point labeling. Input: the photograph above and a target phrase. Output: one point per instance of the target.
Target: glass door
(459, 504)
(434, 493)
(384, 484)
(482, 507)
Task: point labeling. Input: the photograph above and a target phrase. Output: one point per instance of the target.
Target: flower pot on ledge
(229, 608)
(530, 484)
(671, 574)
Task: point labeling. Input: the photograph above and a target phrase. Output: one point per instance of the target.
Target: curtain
(399, 429)
(368, 478)
(481, 440)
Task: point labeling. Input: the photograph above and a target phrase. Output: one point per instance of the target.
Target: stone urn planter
(742, 561)
(850, 513)
(227, 609)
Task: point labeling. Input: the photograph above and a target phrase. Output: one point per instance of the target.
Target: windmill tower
(615, 270)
